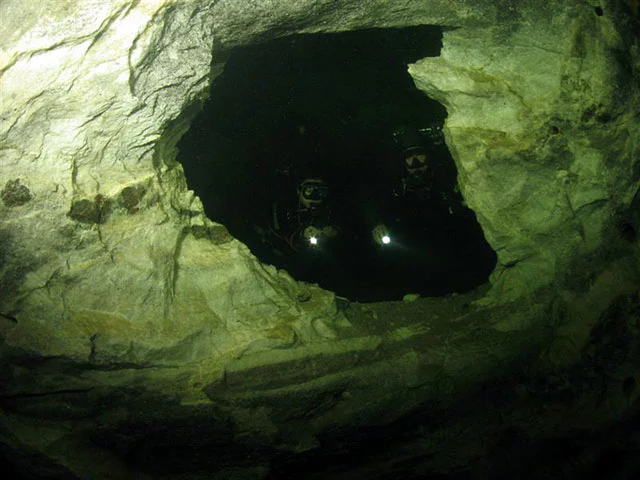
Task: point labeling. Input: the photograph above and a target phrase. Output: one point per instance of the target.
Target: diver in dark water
(302, 222)
(414, 187)
(305, 235)
(403, 209)
(424, 176)
(314, 213)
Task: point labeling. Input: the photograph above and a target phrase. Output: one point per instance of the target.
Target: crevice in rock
(44, 394)
(337, 107)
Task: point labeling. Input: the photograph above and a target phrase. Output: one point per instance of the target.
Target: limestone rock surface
(529, 112)
(137, 336)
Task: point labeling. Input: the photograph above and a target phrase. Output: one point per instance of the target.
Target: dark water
(326, 106)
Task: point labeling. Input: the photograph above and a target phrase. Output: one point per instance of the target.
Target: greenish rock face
(14, 194)
(94, 210)
(525, 124)
(130, 198)
(137, 336)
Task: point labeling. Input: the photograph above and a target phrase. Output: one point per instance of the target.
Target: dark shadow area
(341, 112)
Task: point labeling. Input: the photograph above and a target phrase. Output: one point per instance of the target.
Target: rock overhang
(545, 147)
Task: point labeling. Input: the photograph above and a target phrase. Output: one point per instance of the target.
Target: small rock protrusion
(411, 297)
(130, 198)
(323, 329)
(87, 210)
(216, 234)
(15, 194)
(303, 296)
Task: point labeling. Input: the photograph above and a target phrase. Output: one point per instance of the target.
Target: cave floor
(438, 314)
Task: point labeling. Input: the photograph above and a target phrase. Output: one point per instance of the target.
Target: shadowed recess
(340, 108)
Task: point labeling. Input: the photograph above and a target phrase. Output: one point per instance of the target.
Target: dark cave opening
(308, 151)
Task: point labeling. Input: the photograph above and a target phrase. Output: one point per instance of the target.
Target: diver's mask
(312, 192)
(415, 161)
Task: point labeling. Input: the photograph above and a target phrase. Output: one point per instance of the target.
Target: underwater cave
(341, 109)
(225, 296)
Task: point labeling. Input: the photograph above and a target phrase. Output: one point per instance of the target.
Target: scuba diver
(427, 175)
(314, 212)
(403, 209)
(306, 236)
(423, 187)
(301, 223)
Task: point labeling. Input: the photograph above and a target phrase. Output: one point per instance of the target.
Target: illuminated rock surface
(140, 340)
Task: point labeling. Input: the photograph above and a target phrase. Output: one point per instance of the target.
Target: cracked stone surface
(535, 106)
(137, 336)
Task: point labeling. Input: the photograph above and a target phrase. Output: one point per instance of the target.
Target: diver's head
(415, 161)
(312, 192)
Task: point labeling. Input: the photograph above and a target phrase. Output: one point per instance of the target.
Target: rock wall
(119, 299)
(100, 236)
(543, 127)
